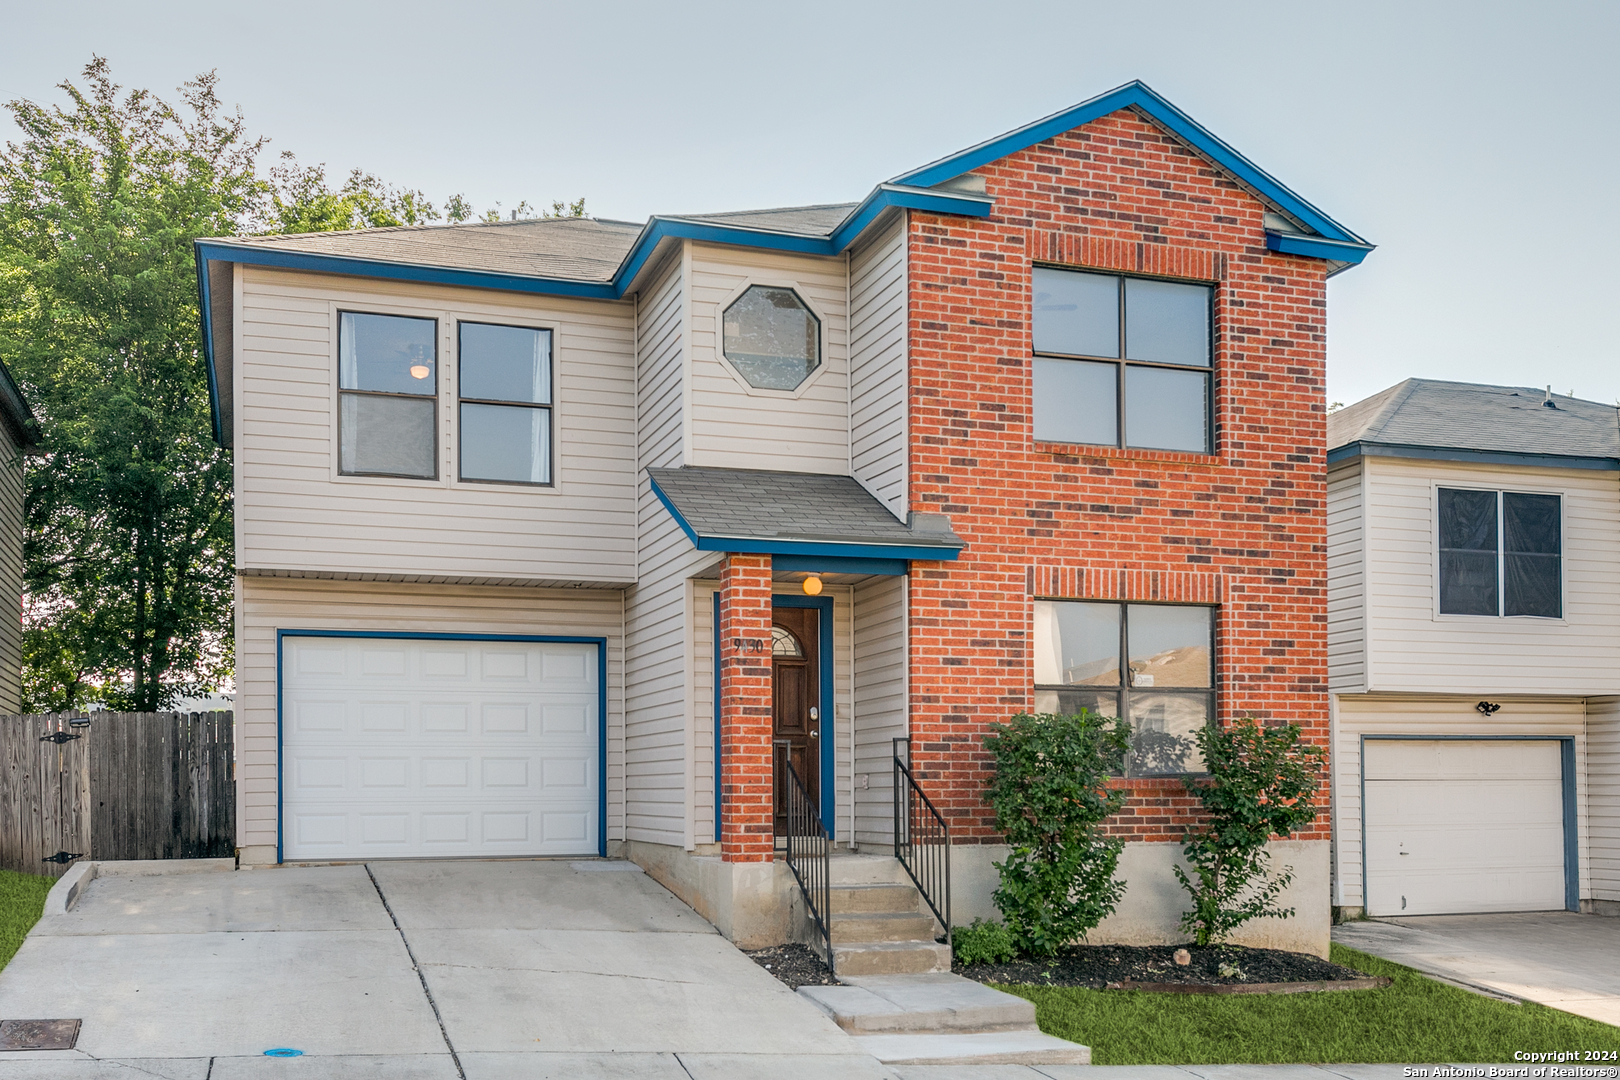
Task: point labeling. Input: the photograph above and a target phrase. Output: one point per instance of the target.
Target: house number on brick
(747, 645)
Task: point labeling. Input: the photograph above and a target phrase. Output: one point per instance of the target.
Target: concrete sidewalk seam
(420, 975)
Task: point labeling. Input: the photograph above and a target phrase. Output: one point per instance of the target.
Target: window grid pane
(386, 435)
(1174, 643)
(1468, 552)
(506, 443)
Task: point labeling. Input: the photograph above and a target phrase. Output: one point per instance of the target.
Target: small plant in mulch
(795, 965)
(1261, 784)
(1098, 966)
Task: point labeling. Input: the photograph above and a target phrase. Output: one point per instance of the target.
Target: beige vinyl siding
(1411, 648)
(880, 703)
(658, 646)
(877, 367)
(11, 576)
(733, 426)
(1360, 715)
(1603, 806)
(1347, 642)
(295, 513)
(265, 605)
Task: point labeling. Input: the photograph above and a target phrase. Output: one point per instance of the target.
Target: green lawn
(22, 899)
(1415, 1020)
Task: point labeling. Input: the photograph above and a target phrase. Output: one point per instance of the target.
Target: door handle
(814, 734)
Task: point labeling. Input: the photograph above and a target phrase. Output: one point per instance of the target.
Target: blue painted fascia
(829, 727)
(834, 564)
(1475, 457)
(1135, 94)
(213, 379)
(601, 704)
(718, 809)
(752, 545)
(885, 196)
(1317, 247)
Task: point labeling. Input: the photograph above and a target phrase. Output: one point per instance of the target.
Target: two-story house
(1474, 539)
(568, 537)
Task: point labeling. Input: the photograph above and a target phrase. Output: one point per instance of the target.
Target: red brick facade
(1244, 528)
(745, 709)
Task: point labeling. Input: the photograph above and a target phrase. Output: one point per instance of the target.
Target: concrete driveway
(419, 970)
(1557, 958)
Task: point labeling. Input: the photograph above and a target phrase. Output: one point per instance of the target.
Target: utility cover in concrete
(38, 1034)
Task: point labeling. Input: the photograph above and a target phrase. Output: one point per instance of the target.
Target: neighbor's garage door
(396, 747)
(1458, 826)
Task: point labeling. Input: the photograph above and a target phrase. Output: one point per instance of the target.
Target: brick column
(746, 831)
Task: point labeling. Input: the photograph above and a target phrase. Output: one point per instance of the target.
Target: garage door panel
(431, 748)
(1456, 826)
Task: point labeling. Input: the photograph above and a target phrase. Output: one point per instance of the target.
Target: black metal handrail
(809, 848)
(922, 840)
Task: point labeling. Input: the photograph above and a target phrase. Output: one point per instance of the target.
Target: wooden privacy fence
(115, 786)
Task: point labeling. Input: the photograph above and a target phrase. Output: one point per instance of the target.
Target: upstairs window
(387, 386)
(1165, 688)
(772, 338)
(1121, 361)
(505, 387)
(1501, 553)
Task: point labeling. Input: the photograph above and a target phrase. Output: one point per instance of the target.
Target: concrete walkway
(1558, 958)
(409, 971)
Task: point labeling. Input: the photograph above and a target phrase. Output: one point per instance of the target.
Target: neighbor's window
(1500, 553)
(772, 338)
(387, 386)
(1165, 688)
(505, 388)
(1121, 361)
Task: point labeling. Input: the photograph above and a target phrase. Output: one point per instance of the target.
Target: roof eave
(1350, 451)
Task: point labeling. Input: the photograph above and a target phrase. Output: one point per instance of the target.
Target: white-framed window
(1121, 360)
(1500, 553)
(1165, 688)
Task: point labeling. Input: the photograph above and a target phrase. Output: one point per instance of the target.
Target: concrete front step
(881, 898)
(881, 926)
(980, 1048)
(890, 958)
(938, 1003)
(866, 870)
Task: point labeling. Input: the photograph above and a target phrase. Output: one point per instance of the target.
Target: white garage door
(398, 747)
(1457, 826)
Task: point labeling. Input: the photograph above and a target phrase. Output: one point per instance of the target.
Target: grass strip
(1415, 1020)
(22, 901)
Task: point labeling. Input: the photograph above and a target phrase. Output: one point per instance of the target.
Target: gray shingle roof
(1432, 414)
(811, 507)
(576, 249)
(804, 220)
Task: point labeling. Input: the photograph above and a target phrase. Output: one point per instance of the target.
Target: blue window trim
(601, 705)
(1572, 864)
(821, 549)
(829, 710)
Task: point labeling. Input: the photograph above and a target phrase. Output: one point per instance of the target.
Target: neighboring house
(1474, 548)
(550, 533)
(18, 434)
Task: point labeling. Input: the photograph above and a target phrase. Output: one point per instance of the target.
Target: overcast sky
(1474, 143)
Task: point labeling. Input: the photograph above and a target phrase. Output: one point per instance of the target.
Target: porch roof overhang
(804, 521)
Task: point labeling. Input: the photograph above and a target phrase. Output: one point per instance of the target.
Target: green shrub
(983, 943)
(1261, 783)
(1050, 792)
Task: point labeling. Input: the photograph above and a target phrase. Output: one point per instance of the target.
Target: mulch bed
(1098, 966)
(796, 965)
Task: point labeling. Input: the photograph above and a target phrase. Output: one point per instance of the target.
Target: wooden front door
(796, 701)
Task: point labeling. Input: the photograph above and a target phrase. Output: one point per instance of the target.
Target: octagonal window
(771, 338)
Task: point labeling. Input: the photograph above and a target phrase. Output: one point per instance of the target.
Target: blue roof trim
(256, 255)
(1481, 457)
(835, 564)
(1134, 94)
(753, 545)
(208, 346)
(1316, 247)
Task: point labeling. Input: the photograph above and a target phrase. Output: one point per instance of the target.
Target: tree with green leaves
(128, 551)
(1262, 783)
(1050, 792)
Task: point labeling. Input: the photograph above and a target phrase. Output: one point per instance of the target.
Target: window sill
(1085, 450)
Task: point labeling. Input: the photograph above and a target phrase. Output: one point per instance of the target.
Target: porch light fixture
(812, 585)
